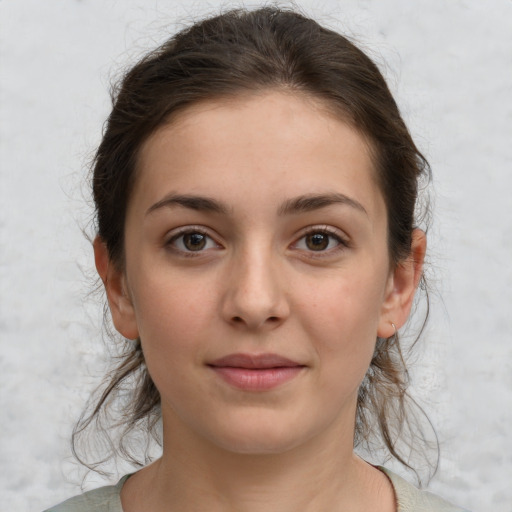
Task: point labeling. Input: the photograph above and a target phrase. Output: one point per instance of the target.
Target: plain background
(449, 64)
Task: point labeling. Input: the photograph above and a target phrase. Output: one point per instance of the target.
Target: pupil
(318, 241)
(194, 241)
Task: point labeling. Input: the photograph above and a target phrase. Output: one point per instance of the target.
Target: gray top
(409, 499)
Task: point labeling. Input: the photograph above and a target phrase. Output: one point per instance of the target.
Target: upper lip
(256, 361)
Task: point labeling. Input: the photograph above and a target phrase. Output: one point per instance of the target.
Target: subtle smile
(256, 372)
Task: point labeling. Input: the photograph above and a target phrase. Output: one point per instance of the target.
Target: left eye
(318, 241)
(192, 241)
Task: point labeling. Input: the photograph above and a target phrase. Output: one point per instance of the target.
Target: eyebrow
(199, 203)
(300, 204)
(310, 202)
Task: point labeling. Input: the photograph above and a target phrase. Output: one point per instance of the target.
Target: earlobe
(119, 301)
(402, 286)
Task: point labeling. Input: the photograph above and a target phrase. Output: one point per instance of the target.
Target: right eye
(192, 240)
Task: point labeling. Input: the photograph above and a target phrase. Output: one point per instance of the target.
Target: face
(257, 272)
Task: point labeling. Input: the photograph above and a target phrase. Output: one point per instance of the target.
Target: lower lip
(261, 379)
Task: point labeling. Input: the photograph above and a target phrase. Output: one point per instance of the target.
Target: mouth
(260, 372)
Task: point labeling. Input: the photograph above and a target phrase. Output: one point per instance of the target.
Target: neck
(194, 474)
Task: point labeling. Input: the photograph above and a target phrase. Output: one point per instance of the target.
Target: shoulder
(411, 499)
(104, 499)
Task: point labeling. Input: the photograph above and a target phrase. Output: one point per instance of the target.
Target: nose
(255, 297)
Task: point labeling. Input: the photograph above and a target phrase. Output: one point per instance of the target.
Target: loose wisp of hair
(247, 52)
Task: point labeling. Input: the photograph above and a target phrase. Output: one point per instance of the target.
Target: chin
(260, 437)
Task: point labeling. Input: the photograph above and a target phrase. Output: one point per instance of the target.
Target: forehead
(288, 143)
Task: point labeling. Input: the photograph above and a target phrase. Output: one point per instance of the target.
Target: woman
(255, 191)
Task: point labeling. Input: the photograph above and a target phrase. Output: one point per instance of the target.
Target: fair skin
(256, 232)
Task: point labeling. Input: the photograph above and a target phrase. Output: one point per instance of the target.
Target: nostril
(240, 320)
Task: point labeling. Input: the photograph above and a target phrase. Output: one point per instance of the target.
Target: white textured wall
(450, 65)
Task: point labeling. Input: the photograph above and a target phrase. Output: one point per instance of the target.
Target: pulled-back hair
(236, 53)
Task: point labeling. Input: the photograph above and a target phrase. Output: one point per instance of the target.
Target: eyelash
(341, 242)
(189, 230)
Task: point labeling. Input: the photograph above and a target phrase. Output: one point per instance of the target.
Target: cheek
(172, 322)
(347, 304)
(171, 313)
(342, 318)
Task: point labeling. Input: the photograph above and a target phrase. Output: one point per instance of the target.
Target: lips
(259, 372)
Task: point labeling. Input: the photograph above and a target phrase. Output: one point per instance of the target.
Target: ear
(401, 287)
(119, 301)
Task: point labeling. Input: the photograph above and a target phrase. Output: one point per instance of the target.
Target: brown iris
(317, 241)
(194, 241)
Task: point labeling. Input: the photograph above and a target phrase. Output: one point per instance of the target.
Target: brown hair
(249, 51)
